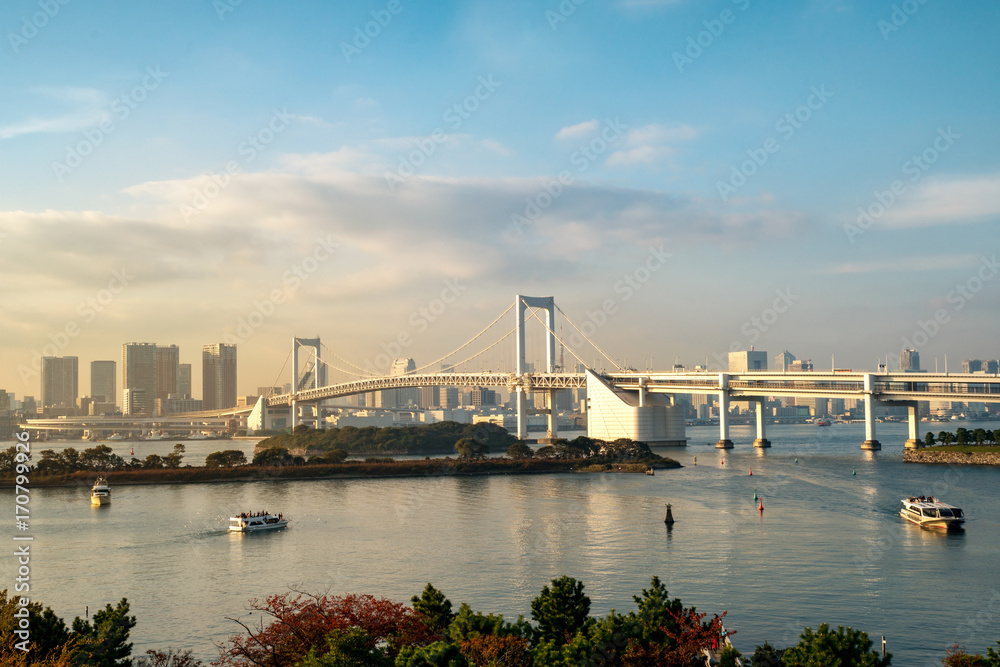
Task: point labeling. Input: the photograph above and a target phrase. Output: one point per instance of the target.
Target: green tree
(153, 462)
(561, 611)
(470, 449)
(929, 439)
(109, 634)
(846, 647)
(946, 438)
(519, 450)
(173, 459)
(962, 436)
(979, 435)
(437, 654)
(227, 458)
(99, 458)
(767, 656)
(657, 612)
(348, 648)
(996, 437)
(434, 609)
(273, 456)
(48, 631)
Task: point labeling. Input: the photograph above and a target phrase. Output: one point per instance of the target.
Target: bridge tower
(318, 378)
(548, 304)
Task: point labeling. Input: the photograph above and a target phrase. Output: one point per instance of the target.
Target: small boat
(649, 471)
(822, 421)
(100, 494)
(931, 513)
(249, 522)
(116, 437)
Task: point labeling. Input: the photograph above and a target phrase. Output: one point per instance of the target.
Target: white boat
(931, 513)
(100, 494)
(249, 522)
(197, 436)
(116, 437)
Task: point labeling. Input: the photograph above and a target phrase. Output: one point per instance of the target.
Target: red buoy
(761, 507)
(751, 472)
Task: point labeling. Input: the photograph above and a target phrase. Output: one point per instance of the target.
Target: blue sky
(338, 141)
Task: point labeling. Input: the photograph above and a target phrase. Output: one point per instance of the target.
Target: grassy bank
(347, 470)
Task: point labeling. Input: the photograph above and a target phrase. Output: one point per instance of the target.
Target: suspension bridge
(620, 402)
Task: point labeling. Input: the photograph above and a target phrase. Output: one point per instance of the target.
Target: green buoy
(755, 494)
(855, 471)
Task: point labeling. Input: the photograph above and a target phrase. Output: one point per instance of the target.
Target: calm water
(828, 548)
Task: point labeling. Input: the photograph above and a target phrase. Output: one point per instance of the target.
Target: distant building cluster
(154, 382)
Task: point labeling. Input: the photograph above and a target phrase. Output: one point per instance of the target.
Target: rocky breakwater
(952, 457)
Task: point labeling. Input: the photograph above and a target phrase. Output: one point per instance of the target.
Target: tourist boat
(100, 494)
(249, 522)
(931, 513)
(116, 437)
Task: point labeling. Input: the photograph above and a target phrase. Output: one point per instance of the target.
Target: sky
(687, 177)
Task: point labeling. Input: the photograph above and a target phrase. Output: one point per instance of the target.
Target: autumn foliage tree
(291, 624)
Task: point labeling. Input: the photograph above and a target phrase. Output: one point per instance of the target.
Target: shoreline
(353, 470)
(978, 456)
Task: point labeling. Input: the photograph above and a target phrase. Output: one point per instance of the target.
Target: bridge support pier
(761, 442)
(724, 441)
(870, 444)
(522, 414)
(553, 415)
(913, 420)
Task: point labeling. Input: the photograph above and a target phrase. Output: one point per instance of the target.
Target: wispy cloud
(577, 131)
(650, 144)
(904, 264)
(945, 201)
(91, 109)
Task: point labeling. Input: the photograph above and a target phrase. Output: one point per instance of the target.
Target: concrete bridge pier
(553, 416)
(522, 414)
(913, 420)
(871, 444)
(724, 441)
(761, 441)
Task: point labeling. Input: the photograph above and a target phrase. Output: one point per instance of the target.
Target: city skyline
(254, 174)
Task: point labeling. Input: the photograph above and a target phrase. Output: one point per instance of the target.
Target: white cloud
(90, 110)
(650, 144)
(948, 201)
(904, 264)
(577, 131)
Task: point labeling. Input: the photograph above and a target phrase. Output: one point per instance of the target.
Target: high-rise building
(800, 366)
(909, 360)
(218, 376)
(4, 402)
(102, 381)
(139, 366)
(783, 361)
(168, 361)
(972, 365)
(992, 366)
(184, 381)
(59, 382)
(747, 360)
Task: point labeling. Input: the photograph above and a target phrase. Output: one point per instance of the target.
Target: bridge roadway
(897, 388)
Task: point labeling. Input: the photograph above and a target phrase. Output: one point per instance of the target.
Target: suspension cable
(534, 313)
(363, 373)
(275, 383)
(587, 338)
(469, 342)
(485, 350)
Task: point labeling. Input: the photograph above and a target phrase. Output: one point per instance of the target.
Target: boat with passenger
(930, 512)
(251, 522)
(100, 493)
